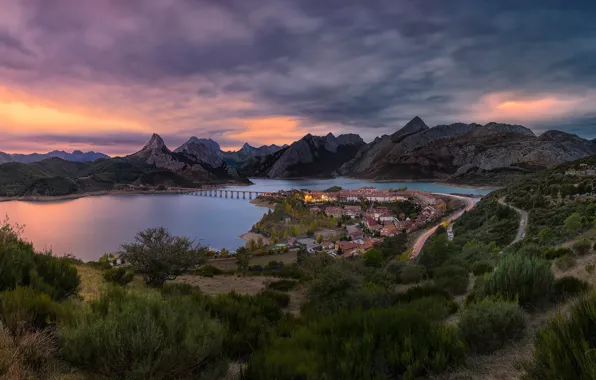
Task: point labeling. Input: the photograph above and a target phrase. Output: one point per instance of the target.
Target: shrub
(16, 263)
(564, 348)
(178, 289)
(435, 308)
(282, 285)
(569, 286)
(488, 325)
(159, 257)
(590, 268)
(31, 356)
(119, 276)
(565, 263)
(527, 279)
(139, 337)
(412, 274)
(209, 271)
(24, 310)
(281, 299)
(582, 247)
(248, 320)
(554, 253)
(361, 345)
(481, 267)
(422, 291)
(453, 278)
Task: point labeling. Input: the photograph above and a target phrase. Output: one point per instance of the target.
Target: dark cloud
(361, 64)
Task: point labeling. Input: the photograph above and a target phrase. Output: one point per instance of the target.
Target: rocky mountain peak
(554, 135)
(155, 143)
(416, 125)
(493, 128)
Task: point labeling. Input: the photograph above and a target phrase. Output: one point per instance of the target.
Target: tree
(224, 253)
(260, 243)
(251, 245)
(573, 223)
(320, 239)
(159, 256)
(243, 256)
(373, 258)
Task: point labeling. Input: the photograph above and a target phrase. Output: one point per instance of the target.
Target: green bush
(60, 276)
(128, 336)
(247, 320)
(488, 325)
(565, 263)
(208, 271)
(282, 285)
(568, 287)
(436, 308)
(25, 309)
(481, 267)
(119, 275)
(422, 291)
(21, 266)
(554, 253)
(526, 279)
(453, 278)
(411, 274)
(564, 348)
(364, 345)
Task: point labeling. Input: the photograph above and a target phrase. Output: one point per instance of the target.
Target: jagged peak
(416, 125)
(554, 134)
(155, 142)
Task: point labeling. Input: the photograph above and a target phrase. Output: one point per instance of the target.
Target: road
(523, 223)
(470, 203)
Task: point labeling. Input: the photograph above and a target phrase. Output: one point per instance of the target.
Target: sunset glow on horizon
(104, 76)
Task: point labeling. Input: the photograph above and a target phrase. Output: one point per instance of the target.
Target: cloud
(270, 70)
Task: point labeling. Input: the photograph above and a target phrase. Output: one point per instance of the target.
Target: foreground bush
(363, 345)
(125, 336)
(564, 349)
(555, 253)
(453, 278)
(481, 267)
(21, 266)
(569, 287)
(529, 280)
(564, 263)
(411, 274)
(60, 278)
(30, 356)
(25, 310)
(119, 275)
(488, 325)
(282, 285)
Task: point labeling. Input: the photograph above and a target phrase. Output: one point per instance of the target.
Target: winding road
(421, 240)
(523, 223)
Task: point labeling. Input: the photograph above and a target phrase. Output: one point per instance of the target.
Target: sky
(104, 75)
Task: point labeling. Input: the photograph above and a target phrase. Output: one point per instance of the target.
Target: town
(345, 223)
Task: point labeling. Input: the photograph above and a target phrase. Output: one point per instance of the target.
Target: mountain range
(455, 152)
(75, 156)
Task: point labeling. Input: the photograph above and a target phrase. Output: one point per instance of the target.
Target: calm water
(89, 227)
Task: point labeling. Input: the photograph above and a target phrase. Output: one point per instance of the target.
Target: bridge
(227, 193)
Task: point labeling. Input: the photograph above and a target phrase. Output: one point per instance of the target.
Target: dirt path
(523, 223)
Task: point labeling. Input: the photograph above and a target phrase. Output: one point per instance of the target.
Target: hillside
(463, 151)
(311, 156)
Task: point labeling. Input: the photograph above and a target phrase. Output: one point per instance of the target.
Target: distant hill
(75, 156)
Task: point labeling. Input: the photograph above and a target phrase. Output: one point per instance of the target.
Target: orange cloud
(512, 108)
(271, 130)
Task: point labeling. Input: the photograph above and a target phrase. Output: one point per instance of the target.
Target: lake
(90, 227)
